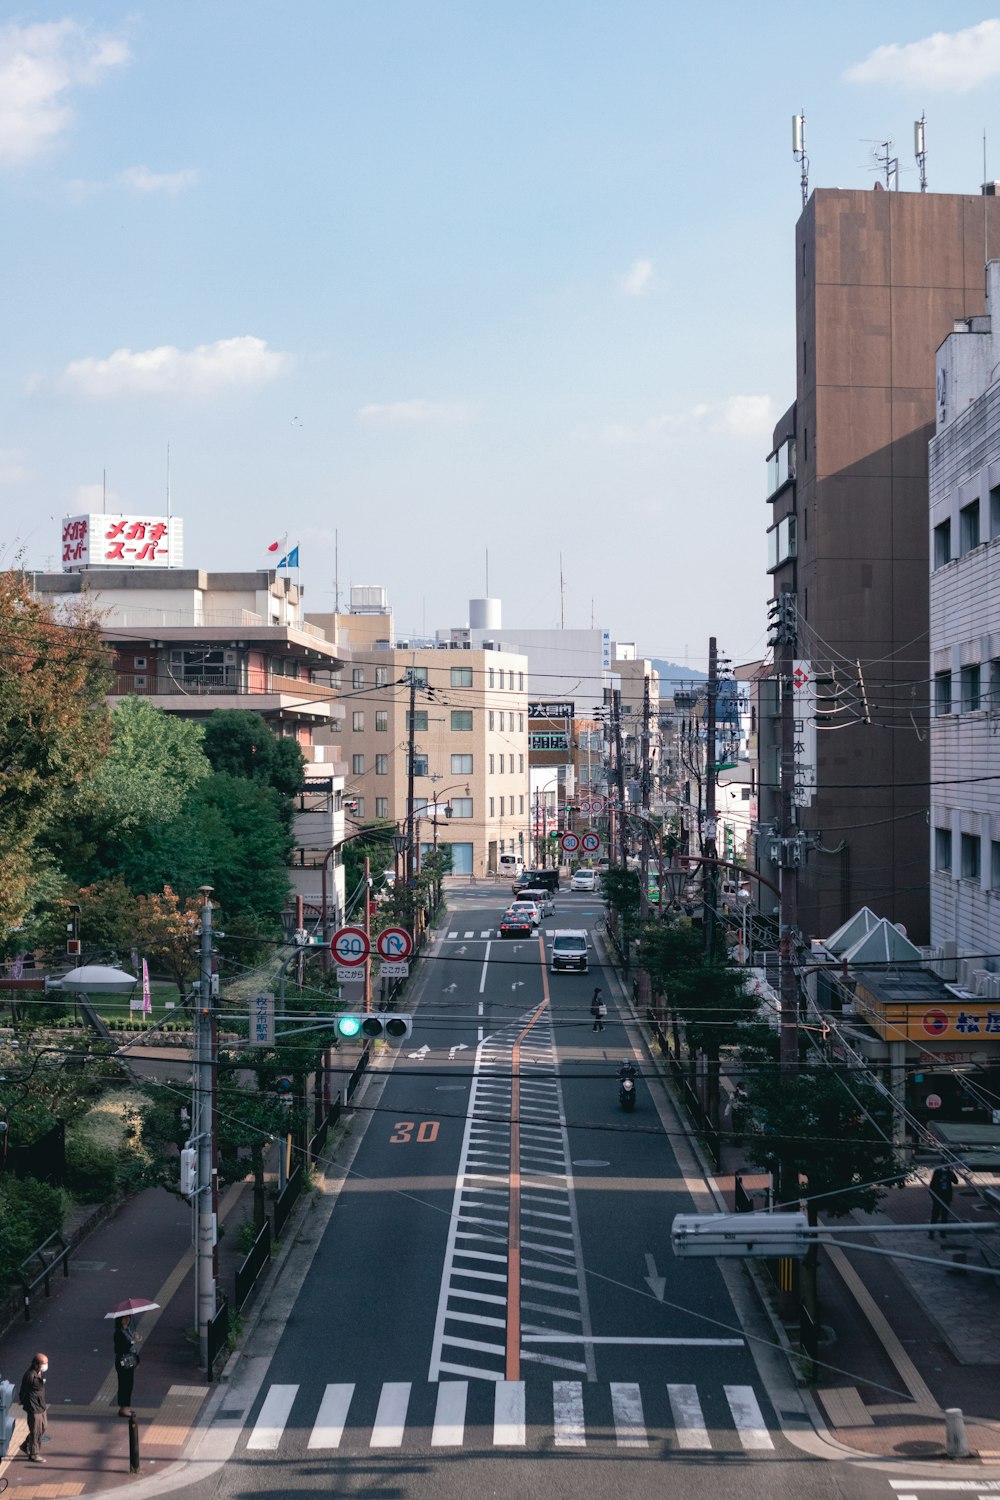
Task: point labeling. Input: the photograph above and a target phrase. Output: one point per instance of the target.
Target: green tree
(622, 892)
(54, 726)
(240, 743)
(373, 841)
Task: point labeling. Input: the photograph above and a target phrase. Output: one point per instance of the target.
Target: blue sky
(442, 277)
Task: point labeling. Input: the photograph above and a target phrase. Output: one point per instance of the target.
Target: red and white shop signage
(139, 541)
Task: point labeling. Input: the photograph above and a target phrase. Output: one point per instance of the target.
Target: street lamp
(541, 807)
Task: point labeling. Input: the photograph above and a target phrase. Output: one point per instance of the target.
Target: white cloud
(142, 180)
(637, 278)
(416, 413)
(12, 466)
(209, 369)
(736, 417)
(957, 61)
(39, 66)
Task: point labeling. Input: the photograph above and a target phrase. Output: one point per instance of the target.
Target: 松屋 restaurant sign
(122, 542)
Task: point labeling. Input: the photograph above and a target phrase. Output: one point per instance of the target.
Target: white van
(569, 950)
(510, 866)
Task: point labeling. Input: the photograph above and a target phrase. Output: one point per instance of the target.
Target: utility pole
(789, 854)
(410, 878)
(644, 797)
(368, 932)
(711, 876)
(616, 715)
(201, 1119)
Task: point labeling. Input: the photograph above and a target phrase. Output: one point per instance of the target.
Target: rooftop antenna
(799, 152)
(887, 163)
(920, 149)
(487, 572)
(562, 597)
(986, 216)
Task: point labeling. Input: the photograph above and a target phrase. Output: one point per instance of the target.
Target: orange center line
(514, 1211)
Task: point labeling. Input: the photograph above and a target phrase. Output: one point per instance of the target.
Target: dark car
(538, 880)
(516, 924)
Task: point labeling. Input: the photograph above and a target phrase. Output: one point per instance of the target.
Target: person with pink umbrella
(127, 1348)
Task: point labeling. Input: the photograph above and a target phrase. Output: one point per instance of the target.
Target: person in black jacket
(32, 1398)
(126, 1359)
(943, 1185)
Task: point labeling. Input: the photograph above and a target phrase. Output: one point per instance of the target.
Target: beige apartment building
(470, 737)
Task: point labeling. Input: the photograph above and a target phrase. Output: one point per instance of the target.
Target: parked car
(584, 880)
(516, 924)
(570, 948)
(542, 899)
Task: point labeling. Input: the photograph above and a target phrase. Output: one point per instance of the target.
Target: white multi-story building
(965, 643)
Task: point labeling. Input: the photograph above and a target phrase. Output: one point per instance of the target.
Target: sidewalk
(144, 1250)
(902, 1340)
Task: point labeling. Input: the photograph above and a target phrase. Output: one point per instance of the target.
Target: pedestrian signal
(374, 1026)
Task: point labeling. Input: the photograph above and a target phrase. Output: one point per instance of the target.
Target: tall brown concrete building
(880, 279)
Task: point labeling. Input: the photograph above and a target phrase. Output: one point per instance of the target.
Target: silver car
(542, 899)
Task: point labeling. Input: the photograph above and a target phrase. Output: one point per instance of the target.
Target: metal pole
(711, 883)
(202, 1121)
(368, 933)
(409, 807)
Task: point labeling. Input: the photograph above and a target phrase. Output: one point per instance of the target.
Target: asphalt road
(493, 1308)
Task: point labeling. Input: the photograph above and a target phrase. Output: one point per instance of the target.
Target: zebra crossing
(454, 1414)
(491, 932)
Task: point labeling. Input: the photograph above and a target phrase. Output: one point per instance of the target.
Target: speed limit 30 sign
(350, 946)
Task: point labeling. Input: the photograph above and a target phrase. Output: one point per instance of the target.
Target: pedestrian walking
(126, 1359)
(598, 1010)
(32, 1398)
(943, 1185)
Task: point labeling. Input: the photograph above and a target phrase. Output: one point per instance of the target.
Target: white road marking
(273, 1416)
(482, 982)
(586, 1338)
(449, 1417)
(567, 1414)
(748, 1416)
(390, 1419)
(508, 1414)
(468, 934)
(688, 1418)
(333, 1409)
(630, 1424)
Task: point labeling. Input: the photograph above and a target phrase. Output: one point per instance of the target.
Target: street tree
(240, 743)
(54, 725)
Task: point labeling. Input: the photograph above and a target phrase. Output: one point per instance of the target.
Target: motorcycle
(626, 1088)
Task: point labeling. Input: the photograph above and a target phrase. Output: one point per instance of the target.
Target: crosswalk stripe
(688, 1418)
(273, 1416)
(567, 1414)
(630, 1424)
(469, 934)
(449, 1416)
(508, 1414)
(333, 1409)
(390, 1419)
(748, 1416)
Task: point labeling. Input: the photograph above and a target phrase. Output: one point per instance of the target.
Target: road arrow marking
(518, 984)
(657, 1284)
(449, 989)
(461, 950)
(461, 1047)
(421, 1053)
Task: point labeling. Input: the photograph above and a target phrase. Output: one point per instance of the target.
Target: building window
(520, 685)
(461, 720)
(501, 721)
(461, 676)
(970, 689)
(492, 812)
(994, 865)
(995, 684)
(995, 510)
(492, 683)
(419, 765)
(461, 765)
(381, 765)
(359, 807)
(942, 848)
(358, 677)
(357, 765)
(492, 766)
(520, 722)
(381, 676)
(781, 544)
(419, 721)
(521, 808)
(970, 856)
(491, 718)
(968, 526)
(381, 721)
(511, 806)
(381, 807)
(942, 694)
(417, 675)
(358, 720)
(942, 544)
(461, 807)
(521, 759)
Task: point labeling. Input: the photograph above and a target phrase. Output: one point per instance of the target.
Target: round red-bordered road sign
(350, 946)
(394, 943)
(571, 842)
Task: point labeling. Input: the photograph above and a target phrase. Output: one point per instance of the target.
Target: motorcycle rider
(626, 1070)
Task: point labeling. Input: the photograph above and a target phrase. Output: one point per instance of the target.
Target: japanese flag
(278, 546)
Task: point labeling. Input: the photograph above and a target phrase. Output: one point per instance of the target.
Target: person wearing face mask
(32, 1398)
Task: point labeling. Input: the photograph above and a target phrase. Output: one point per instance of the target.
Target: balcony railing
(218, 684)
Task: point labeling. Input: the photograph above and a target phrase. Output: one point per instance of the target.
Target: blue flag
(290, 559)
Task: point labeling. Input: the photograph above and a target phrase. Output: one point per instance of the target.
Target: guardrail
(218, 1337)
(249, 1271)
(357, 1075)
(48, 1259)
(285, 1201)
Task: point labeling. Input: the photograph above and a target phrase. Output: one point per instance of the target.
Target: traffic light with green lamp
(373, 1026)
